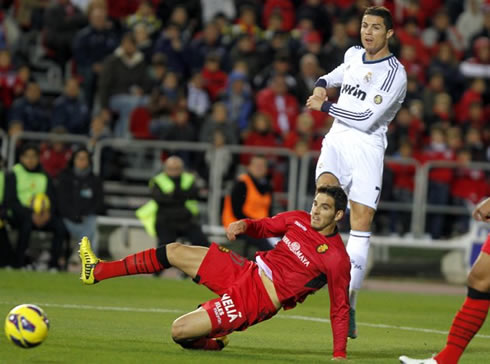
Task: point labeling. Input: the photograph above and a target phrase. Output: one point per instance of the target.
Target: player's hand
(321, 92)
(315, 102)
(482, 211)
(235, 228)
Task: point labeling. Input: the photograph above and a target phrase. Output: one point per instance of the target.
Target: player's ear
(389, 33)
(339, 215)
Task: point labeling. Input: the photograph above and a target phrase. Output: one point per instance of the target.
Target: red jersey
(303, 262)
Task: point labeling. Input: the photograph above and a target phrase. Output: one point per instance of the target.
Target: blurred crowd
(240, 71)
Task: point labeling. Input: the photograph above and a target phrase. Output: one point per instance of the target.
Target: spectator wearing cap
(123, 83)
(28, 112)
(90, 46)
(311, 42)
(238, 100)
(69, 111)
(214, 78)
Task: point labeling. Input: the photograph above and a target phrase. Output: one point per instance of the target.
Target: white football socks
(357, 248)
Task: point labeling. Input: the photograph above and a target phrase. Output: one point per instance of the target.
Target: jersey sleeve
(338, 278)
(268, 226)
(379, 103)
(335, 77)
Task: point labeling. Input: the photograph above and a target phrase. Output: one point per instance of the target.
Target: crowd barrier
(299, 171)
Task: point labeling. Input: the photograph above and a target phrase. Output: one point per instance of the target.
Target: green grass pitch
(127, 320)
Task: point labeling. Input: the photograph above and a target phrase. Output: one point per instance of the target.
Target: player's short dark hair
(383, 13)
(337, 193)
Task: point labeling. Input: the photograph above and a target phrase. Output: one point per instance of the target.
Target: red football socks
(465, 325)
(144, 262)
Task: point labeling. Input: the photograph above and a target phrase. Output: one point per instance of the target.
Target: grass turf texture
(112, 322)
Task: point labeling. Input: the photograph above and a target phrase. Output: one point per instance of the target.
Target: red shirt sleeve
(338, 277)
(268, 226)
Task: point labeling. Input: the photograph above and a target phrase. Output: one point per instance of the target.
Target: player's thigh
(191, 325)
(479, 277)
(331, 168)
(367, 175)
(186, 258)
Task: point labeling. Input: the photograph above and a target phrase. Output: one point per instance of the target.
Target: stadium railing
(4, 145)
(42, 137)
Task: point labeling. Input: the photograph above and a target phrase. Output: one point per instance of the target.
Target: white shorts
(357, 165)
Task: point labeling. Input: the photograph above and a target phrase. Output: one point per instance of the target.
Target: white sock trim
(360, 234)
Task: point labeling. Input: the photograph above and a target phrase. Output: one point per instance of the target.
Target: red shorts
(486, 246)
(243, 299)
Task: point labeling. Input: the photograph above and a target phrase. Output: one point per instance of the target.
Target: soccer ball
(26, 326)
(40, 203)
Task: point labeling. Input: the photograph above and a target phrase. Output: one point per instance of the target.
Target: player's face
(374, 36)
(322, 212)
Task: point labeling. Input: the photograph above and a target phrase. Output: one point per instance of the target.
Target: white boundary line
(290, 317)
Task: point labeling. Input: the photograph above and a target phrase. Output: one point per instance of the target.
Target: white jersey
(371, 93)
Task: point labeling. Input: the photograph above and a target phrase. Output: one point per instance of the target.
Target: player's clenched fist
(236, 228)
(315, 102)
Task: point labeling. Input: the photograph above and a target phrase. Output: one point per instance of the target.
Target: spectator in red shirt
(439, 178)
(403, 185)
(214, 78)
(54, 156)
(279, 104)
(283, 7)
(261, 134)
(468, 187)
(304, 132)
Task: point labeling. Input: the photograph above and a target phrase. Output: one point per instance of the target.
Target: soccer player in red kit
(474, 310)
(310, 255)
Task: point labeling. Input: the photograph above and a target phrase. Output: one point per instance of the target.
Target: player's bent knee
(327, 179)
(478, 281)
(179, 330)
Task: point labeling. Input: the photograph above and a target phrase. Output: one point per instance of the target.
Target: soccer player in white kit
(372, 85)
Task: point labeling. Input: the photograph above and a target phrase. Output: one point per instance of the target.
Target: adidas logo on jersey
(353, 90)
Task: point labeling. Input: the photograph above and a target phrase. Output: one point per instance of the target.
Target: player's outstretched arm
(482, 211)
(236, 228)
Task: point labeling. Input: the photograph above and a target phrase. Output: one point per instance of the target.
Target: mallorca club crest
(322, 248)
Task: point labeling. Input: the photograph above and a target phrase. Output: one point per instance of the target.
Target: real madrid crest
(368, 77)
(322, 248)
(378, 99)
